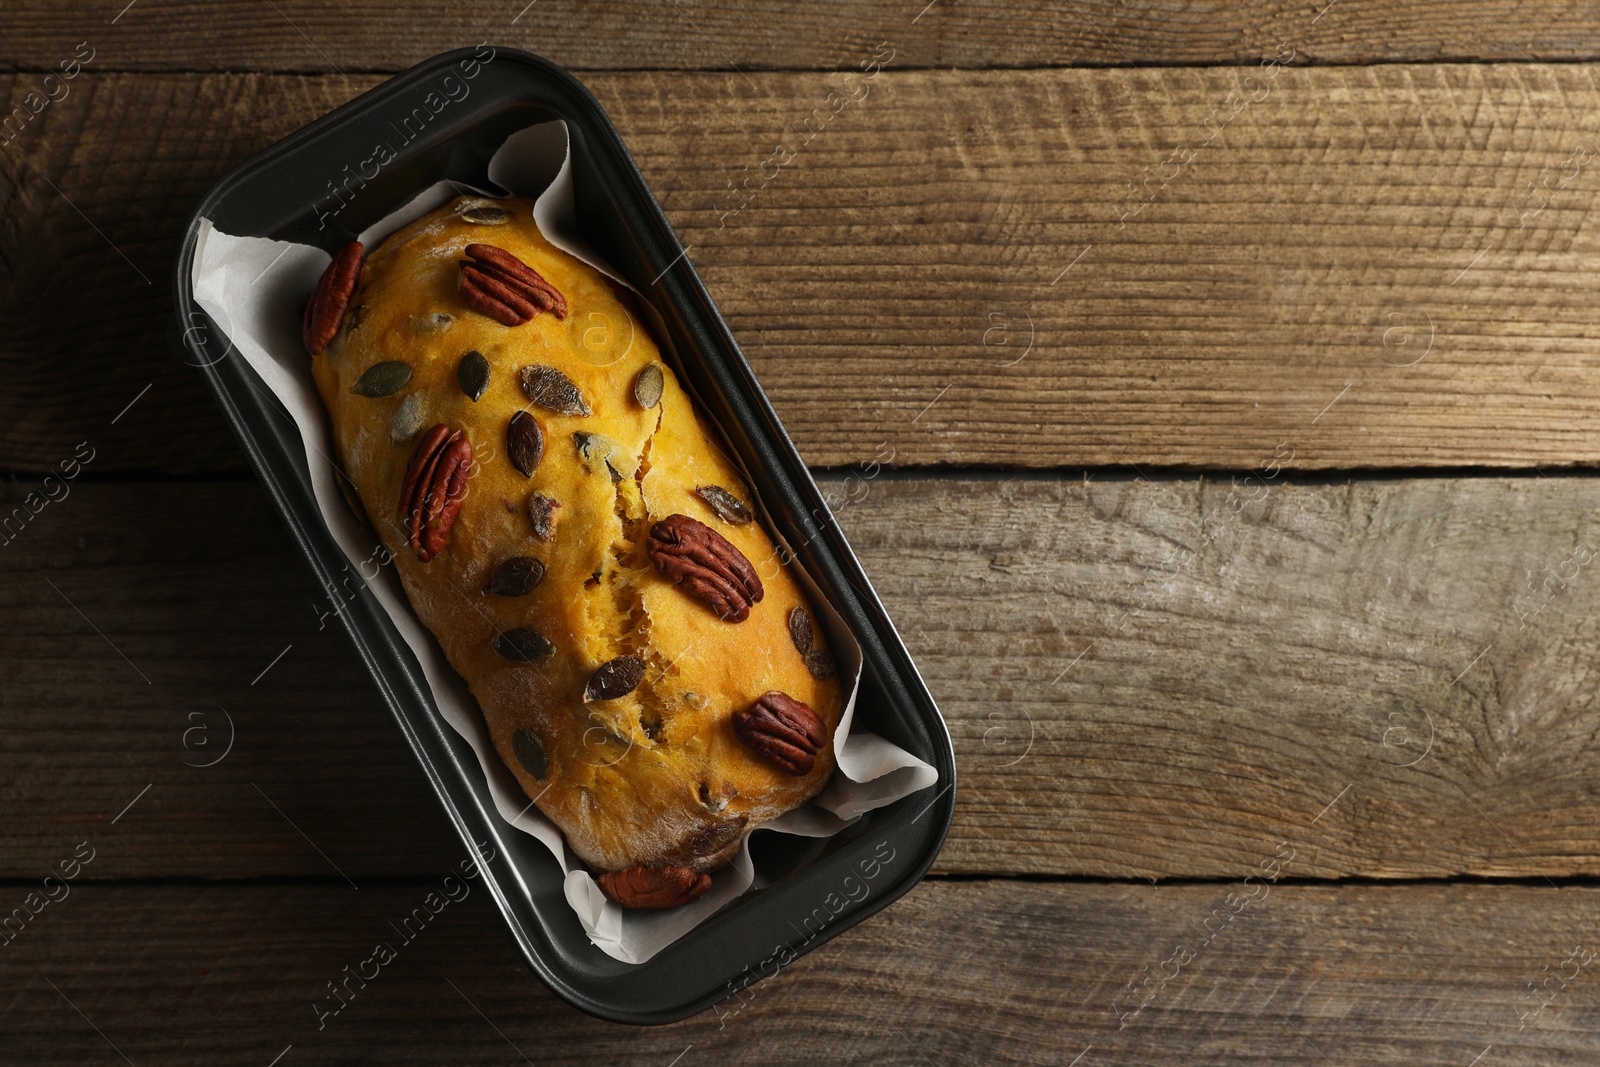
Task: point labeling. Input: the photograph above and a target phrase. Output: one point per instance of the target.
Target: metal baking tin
(799, 881)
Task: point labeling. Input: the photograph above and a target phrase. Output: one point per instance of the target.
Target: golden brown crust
(656, 777)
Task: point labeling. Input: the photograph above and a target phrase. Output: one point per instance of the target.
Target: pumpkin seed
(820, 664)
(523, 645)
(542, 514)
(407, 418)
(696, 701)
(486, 216)
(549, 388)
(472, 374)
(601, 453)
(729, 508)
(800, 630)
(647, 386)
(615, 678)
(530, 753)
(517, 576)
(525, 443)
(383, 379)
(817, 661)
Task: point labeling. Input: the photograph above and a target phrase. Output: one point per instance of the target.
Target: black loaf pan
(801, 883)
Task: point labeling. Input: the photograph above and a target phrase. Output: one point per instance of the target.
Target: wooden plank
(213, 648)
(1357, 265)
(1147, 679)
(302, 35)
(978, 972)
(1142, 679)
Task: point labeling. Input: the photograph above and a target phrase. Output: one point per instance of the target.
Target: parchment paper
(255, 288)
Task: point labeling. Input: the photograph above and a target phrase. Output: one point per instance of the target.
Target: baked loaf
(563, 521)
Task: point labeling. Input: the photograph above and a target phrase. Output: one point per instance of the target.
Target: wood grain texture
(1388, 266)
(1149, 679)
(1143, 680)
(977, 972)
(302, 35)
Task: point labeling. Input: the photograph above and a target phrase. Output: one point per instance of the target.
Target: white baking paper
(255, 288)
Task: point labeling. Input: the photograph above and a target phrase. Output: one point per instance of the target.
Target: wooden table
(1234, 377)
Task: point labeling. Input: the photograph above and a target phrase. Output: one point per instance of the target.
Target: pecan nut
(506, 289)
(434, 487)
(783, 730)
(654, 887)
(325, 308)
(706, 564)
